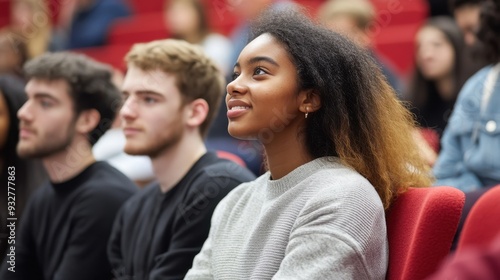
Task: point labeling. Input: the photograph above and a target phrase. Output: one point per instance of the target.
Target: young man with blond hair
(172, 91)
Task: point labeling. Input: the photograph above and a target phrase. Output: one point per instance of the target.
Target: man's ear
(87, 121)
(309, 101)
(197, 112)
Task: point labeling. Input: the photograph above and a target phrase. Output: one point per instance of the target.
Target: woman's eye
(259, 71)
(235, 75)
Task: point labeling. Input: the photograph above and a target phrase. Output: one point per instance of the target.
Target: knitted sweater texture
(321, 221)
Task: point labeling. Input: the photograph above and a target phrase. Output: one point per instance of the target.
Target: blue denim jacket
(470, 155)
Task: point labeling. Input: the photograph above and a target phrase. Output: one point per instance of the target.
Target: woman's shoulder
(336, 175)
(341, 184)
(244, 191)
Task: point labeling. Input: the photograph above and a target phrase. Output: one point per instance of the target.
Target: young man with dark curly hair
(66, 224)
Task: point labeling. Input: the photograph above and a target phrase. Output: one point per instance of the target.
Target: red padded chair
(482, 224)
(421, 225)
(231, 156)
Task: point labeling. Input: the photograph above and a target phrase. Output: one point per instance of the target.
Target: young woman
(339, 150)
(439, 72)
(187, 20)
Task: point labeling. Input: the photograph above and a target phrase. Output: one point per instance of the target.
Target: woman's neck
(285, 153)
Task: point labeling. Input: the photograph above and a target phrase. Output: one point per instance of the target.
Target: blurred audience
(466, 13)
(28, 173)
(438, 74)
(13, 53)
(353, 18)
(248, 11)
(469, 159)
(30, 19)
(86, 23)
(471, 142)
(187, 20)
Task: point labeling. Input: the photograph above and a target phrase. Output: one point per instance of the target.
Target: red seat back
(232, 157)
(482, 224)
(421, 225)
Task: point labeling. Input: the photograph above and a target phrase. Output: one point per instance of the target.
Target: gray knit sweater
(321, 221)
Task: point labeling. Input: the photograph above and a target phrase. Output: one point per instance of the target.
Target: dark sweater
(66, 226)
(156, 235)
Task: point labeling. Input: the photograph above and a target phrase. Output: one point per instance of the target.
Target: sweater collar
(275, 188)
(73, 183)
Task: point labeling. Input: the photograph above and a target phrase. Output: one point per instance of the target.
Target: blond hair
(197, 75)
(362, 11)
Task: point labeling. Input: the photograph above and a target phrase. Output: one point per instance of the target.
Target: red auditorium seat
(138, 28)
(397, 43)
(146, 6)
(421, 225)
(482, 224)
(231, 157)
(113, 54)
(4, 13)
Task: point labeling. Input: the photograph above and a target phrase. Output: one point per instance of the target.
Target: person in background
(466, 14)
(438, 77)
(187, 20)
(68, 219)
(13, 53)
(336, 160)
(471, 142)
(30, 20)
(249, 11)
(28, 174)
(353, 18)
(86, 23)
(172, 91)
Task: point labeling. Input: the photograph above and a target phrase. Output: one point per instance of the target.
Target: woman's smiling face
(263, 98)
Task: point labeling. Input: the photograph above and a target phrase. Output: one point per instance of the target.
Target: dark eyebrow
(144, 92)
(45, 95)
(257, 59)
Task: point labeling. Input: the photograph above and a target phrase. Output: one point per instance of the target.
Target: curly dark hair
(89, 81)
(360, 120)
(489, 30)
